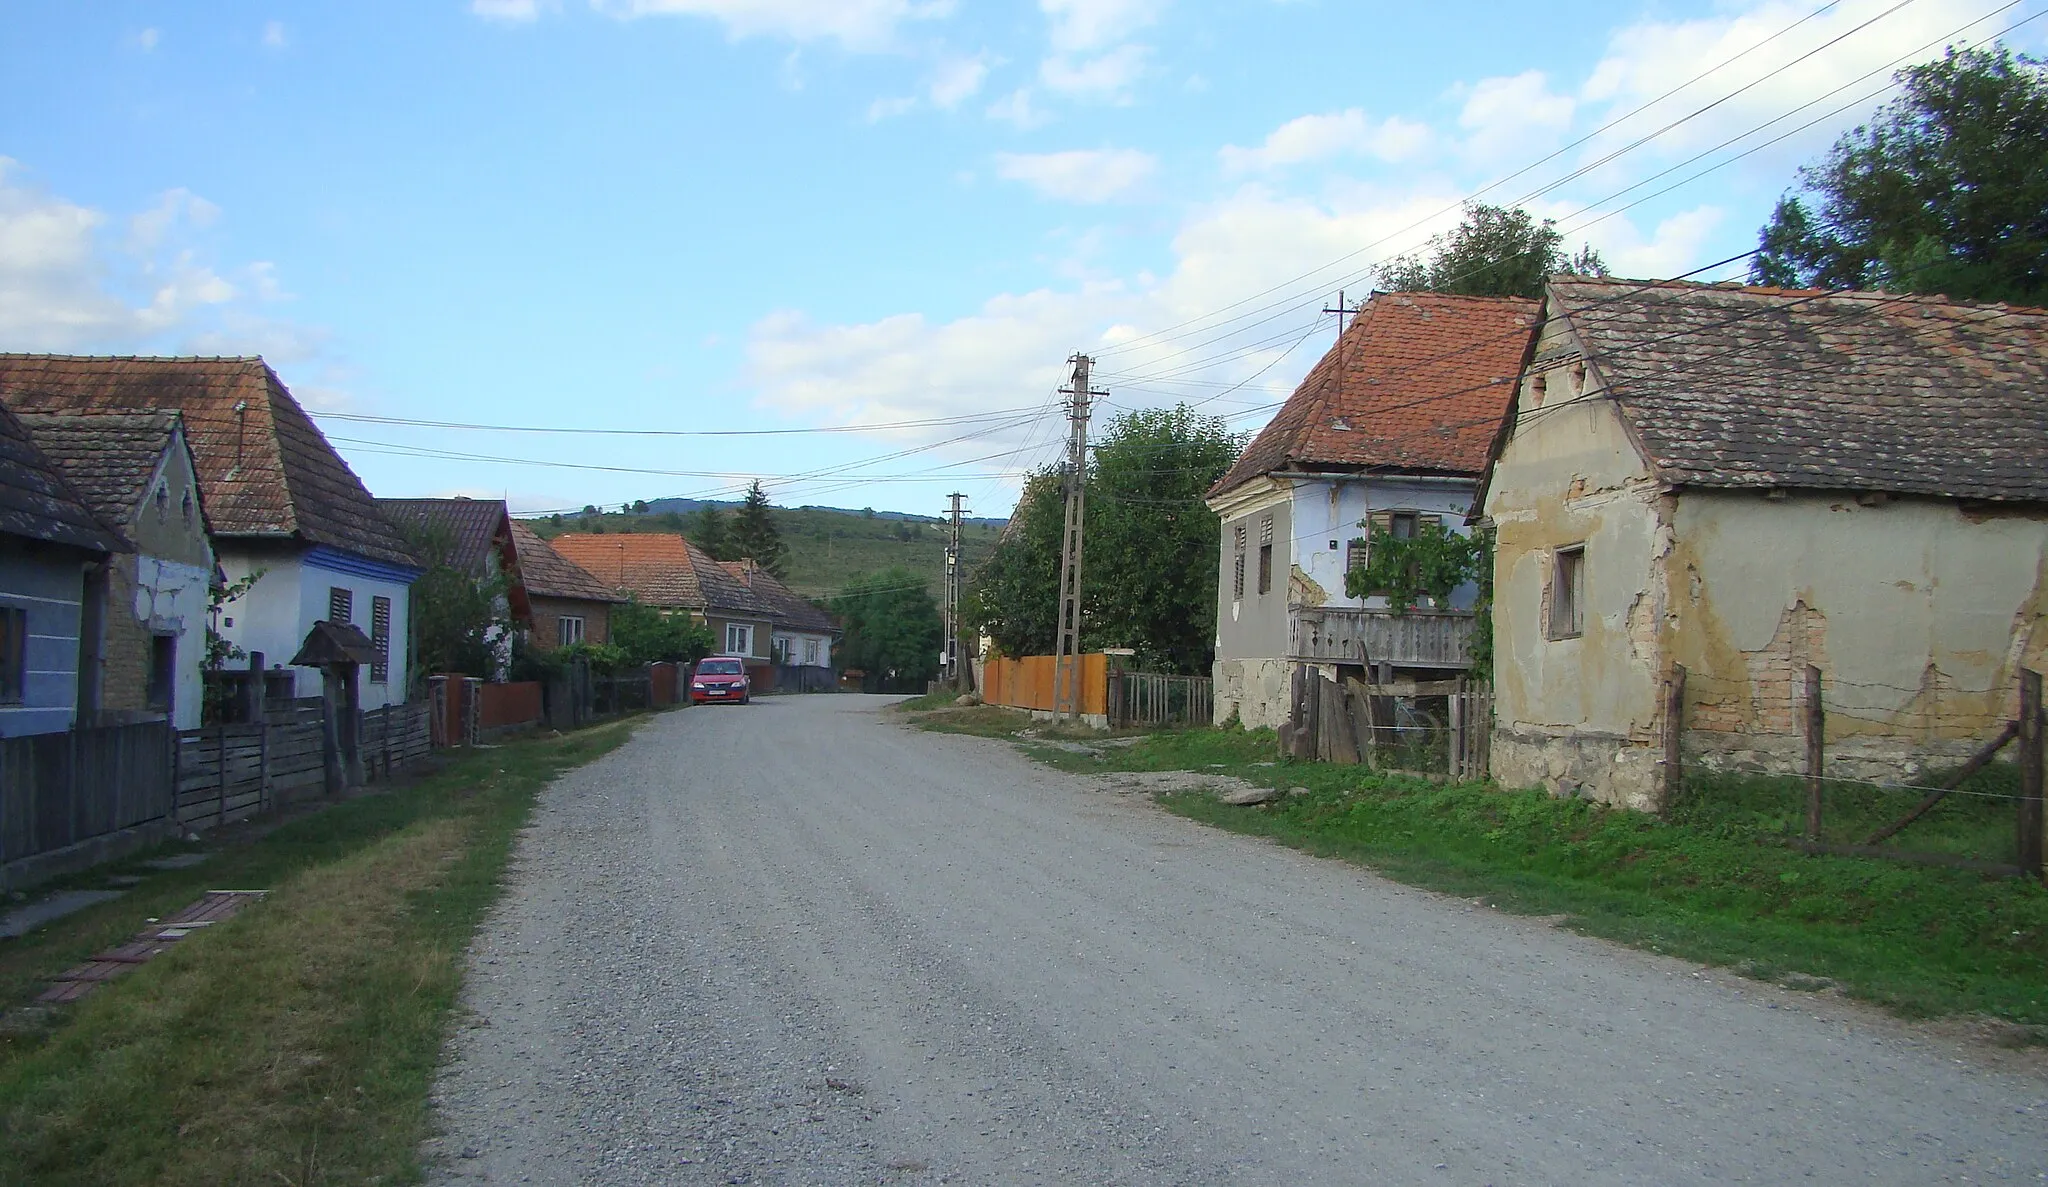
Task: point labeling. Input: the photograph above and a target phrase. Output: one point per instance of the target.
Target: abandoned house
(1743, 482)
(1390, 429)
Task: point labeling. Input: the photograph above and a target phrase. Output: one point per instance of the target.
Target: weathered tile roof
(108, 457)
(474, 528)
(785, 608)
(549, 574)
(36, 502)
(1754, 388)
(264, 471)
(655, 569)
(1416, 385)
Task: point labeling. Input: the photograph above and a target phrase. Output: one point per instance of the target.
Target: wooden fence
(228, 772)
(1440, 726)
(62, 790)
(1026, 682)
(1160, 698)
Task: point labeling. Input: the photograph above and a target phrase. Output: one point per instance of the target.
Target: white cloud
(1016, 108)
(1507, 117)
(1106, 76)
(274, 35)
(148, 38)
(1673, 247)
(1079, 26)
(1645, 59)
(506, 10)
(147, 230)
(888, 109)
(1320, 137)
(1079, 175)
(855, 24)
(957, 80)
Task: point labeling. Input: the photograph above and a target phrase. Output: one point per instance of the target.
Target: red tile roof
(265, 470)
(549, 574)
(1417, 385)
(658, 570)
(785, 608)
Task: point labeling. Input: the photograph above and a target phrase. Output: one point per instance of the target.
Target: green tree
(712, 533)
(1496, 251)
(754, 533)
(892, 630)
(1149, 572)
(648, 636)
(456, 618)
(1150, 568)
(1012, 595)
(1946, 191)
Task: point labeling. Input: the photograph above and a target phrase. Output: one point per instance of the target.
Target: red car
(719, 678)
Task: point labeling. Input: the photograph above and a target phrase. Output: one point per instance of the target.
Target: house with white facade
(282, 506)
(1392, 429)
(136, 473)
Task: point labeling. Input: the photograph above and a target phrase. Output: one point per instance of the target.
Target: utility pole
(1066, 664)
(1340, 311)
(951, 656)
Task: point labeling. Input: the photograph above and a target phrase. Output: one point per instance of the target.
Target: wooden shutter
(380, 638)
(341, 604)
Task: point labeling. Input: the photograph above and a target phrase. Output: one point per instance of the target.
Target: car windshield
(719, 667)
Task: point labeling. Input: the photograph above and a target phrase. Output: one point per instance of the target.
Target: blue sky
(689, 215)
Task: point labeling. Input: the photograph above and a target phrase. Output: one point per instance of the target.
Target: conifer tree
(754, 534)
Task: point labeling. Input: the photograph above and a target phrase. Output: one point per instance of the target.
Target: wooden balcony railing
(1417, 639)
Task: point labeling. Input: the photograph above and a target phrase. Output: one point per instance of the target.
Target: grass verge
(296, 1044)
(1715, 883)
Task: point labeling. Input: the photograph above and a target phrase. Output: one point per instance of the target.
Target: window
(185, 507)
(1266, 553)
(1401, 525)
(13, 653)
(163, 671)
(1568, 592)
(1237, 576)
(778, 651)
(380, 638)
(163, 502)
(341, 605)
(739, 639)
(1354, 555)
(810, 653)
(568, 630)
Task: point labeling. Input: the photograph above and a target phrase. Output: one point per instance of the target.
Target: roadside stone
(1249, 796)
(1297, 791)
(967, 700)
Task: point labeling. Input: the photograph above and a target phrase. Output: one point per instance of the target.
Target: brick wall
(124, 683)
(596, 621)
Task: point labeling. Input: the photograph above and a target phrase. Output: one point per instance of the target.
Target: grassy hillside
(826, 548)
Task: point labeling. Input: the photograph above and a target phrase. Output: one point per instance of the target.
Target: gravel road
(795, 942)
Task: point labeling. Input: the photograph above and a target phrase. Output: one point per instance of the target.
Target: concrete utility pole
(953, 670)
(1066, 664)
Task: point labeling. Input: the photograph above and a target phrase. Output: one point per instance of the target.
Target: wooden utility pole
(951, 655)
(1066, 664)
(1816, 758)
(2031, 760)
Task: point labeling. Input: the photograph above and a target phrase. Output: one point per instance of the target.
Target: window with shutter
(380, 638)
(341, 604)
(1237, 576)
(568, 630)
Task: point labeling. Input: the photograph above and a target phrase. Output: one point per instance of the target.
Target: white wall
(1328, 514)
(793, 644)
(274, 616)
(171, 598)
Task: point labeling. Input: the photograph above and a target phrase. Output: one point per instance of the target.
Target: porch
(1431, 639)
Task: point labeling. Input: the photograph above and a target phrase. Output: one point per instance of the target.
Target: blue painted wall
(48, 584)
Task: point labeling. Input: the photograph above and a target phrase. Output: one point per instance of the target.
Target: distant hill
(686, 505)
(828, 546)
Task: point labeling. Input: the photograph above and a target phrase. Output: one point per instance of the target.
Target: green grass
(1716, 883)
(296, 1043)
(825, 549)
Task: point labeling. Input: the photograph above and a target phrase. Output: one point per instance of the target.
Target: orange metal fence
(1026, 682)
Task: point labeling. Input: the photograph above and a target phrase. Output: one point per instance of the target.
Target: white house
(279, 500)
(1390, 429)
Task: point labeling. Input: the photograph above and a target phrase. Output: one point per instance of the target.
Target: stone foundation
(1253, 691)
(1626, 772)
(1629, 772)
